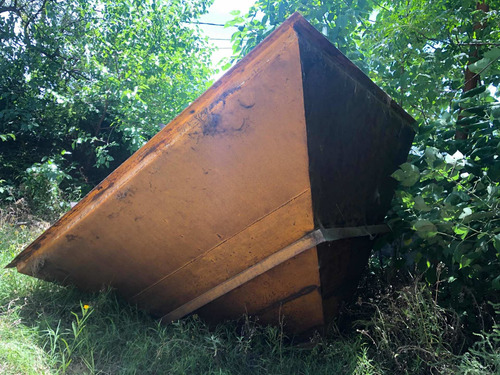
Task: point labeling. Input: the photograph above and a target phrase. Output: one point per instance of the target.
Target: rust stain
(99, 191)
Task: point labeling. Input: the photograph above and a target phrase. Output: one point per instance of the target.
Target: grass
(49, 329)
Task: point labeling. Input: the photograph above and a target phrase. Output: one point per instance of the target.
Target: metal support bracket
(310, 240)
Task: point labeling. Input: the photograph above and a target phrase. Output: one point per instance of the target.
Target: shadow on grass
(117, 338)
(47, 328)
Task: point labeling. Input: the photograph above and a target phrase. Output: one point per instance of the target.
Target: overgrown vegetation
(441, 61)
(85, 83)
(48, 329)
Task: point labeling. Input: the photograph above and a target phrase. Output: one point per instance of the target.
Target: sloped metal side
(276, 142)
(223, 186)
(357, 137)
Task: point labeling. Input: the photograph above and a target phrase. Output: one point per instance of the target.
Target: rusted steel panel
(293, 139)
(290, 290)
(229, 258)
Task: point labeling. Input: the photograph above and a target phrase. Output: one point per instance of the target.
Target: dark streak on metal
(222, 98)
(304, 291)
(246, 106)
(210, 124)
(100, 191)
(125, 193)
(71, 237)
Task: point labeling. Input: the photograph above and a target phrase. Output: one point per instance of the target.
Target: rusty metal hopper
(258, 198)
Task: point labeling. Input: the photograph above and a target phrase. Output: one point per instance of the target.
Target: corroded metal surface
(292, 139)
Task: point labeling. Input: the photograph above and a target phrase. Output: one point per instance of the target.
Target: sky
(219, 13)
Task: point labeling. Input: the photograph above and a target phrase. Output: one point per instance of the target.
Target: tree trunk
(471, 79)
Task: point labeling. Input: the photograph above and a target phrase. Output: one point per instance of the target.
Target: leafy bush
(41, 186)
(450, 197)
(93, 78)
(484, 357)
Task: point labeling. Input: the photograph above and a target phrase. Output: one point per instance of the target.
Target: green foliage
(89, 82)
(65, 344)
(445, 214)
(484, 357)
(411, 334)
(19, 351)
(343, 22)
(454, 212)
(453, 204)
(41, 186)
(5, 137)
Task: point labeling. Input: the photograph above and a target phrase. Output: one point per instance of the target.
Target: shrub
(409, 333)
(41, 186)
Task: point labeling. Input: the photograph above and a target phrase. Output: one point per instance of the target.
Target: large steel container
(261, 197)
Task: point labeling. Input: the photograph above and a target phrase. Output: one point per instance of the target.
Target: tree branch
(11, 9)
(482, 70)
(478, 44)
(32, 18)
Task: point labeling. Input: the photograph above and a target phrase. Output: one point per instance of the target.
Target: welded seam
(303, 244)
(220, 244)
(291, 297)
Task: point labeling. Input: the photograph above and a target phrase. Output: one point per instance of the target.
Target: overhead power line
(210, 24)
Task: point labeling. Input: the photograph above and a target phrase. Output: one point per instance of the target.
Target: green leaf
(5, 137)
(465, 261)
(425, 228)
(420, 204)
(486, 64)
(341, 21)
(496, 283)
(496, 242)
(476, 91)
(495, 112)
(480, 66)
(461, 231)
(431, 155)
(493, 53)
(408, 174)
(465, 212)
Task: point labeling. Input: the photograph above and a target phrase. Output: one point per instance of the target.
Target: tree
(440, 61)
(85, 83)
